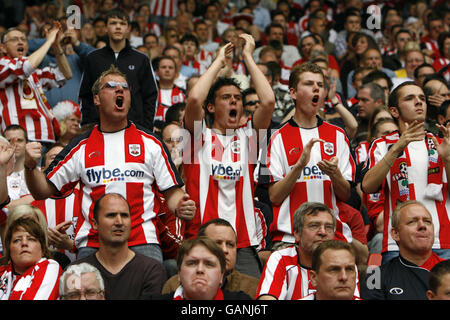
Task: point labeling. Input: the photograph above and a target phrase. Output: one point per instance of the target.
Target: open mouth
(233, 113)
(315, 99)
(119, 102)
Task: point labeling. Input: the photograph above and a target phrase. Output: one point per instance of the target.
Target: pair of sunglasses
(252, 103)
(115, 84)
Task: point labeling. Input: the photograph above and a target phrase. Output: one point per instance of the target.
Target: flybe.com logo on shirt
(221, 172)
(106, 176)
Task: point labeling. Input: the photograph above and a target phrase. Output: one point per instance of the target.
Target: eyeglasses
(88, 294)
(252, 102)
(329, 228)
(114, 85)
(16, 39)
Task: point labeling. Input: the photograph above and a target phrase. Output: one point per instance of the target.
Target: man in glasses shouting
(115, 156)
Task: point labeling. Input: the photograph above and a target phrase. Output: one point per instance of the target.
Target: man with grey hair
(405, 277)
(286, 273)
(81, 281)
(370, 97)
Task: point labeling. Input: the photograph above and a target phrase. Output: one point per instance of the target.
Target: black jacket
(137, 67)
(400, 280)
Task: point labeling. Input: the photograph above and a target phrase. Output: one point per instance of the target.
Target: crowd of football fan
(225, 149)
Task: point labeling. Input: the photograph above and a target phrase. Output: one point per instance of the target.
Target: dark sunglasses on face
(115, 84)
(252, 103)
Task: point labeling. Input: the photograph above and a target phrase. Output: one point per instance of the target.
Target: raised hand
(6, 153)
(33, 152)
(413, 132)
(443, 148)
(224, 53)
(249, 43)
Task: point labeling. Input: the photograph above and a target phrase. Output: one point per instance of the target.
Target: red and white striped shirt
(131, 162)
(166, 99)
(200, 67)
(361, 151)
(39, 282)
(59, 210)
(432, 45)
(219, 178)
(284, 278)
(440, 63)
(284, 149)
(417, 172)
(22, 99)
(165, 8)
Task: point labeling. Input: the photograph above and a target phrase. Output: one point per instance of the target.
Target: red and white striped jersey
(154, 28)
(440, 63)
(39, 282)
(166, 99)
(417, 172)
(432, 45)
(361, 152)
(22, 99)
(284, 278)
(219, 178)
(200, 67)
(131, 162)
(205, 57)
(283, 151)
(59, 210)
(165, 8)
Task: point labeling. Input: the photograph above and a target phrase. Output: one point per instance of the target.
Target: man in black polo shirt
(134, 64)
(406, 276)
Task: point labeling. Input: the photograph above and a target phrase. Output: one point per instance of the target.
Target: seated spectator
(222, 232)
(29, 211)
(286, 274)
(333, 272)
(201, 268)
(406, 276)
(28, 277)
(81, 282)
(128, 275)
(439, 282)
(68, 115)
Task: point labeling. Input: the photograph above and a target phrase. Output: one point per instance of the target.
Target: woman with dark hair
(358, 44)
(30, 273)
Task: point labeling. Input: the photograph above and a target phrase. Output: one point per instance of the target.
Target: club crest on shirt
(236, 147)
(134, 149)
(328, 148)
